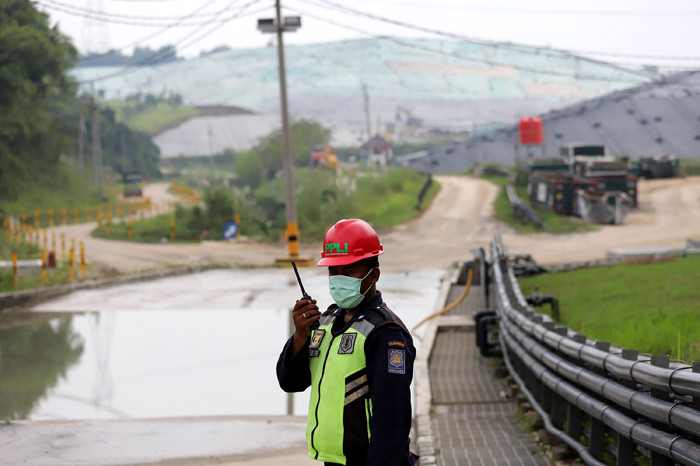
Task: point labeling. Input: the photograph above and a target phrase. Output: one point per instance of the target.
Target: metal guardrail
(521, 210)
(599, 400)
(424, 190)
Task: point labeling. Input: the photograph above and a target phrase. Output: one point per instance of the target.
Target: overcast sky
(619, 31)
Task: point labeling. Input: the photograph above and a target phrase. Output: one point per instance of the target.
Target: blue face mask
(345, 290)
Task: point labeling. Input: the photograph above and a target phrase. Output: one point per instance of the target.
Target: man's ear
(375, 275)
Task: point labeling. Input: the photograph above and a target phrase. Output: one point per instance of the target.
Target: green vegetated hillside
(153, 114)
(151, 119)
(58, 187)
(653, 307)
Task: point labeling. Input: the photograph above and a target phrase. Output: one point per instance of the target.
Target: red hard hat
(349, 241)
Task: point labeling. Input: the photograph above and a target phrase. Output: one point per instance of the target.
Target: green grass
(689, 167)
(32, 279)
(390, 199)
(383, 198)
(654, 308)
(554, 223)
(149, 230)
(152, 119)
(61, 188)
(24, 250)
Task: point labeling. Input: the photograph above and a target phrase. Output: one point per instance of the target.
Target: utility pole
(96, 143)
(122, 148)
(367, 118)
(211, 157)
(81, 138)
(279, 26)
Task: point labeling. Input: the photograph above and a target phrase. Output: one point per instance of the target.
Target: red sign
(530, 129)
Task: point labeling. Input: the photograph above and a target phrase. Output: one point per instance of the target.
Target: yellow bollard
(15, 281)
(109, 218)
(63, 246)
(51, 217)
(82, 260)
(129, 231)
(46, 238)
(36, 219)
(76, 211)
(71, 264)
(64, 216)
(24, 224)
(43, 267)
(172, 228)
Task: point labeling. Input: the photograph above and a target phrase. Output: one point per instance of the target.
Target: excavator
(404, 115)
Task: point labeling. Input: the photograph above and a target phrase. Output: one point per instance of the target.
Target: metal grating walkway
(473, 421)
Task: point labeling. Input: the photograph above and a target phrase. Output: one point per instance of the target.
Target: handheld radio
(304, 295)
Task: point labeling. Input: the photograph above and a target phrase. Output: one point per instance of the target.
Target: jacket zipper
(318, 400)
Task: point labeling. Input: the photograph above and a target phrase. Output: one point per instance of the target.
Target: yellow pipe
(451, 306)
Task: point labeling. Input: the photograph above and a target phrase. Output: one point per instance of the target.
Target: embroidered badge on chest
(316, 338)
(397, 361)
(347, 343)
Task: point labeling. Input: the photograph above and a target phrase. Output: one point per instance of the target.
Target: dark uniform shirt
(390, 392)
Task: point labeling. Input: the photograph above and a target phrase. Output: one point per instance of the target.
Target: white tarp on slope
(212, 134)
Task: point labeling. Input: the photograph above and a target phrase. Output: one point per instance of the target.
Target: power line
(348, 10)
(328, 4)
(142, 40)
(539, 11)
(132, 20)
(139, 17)
(480, 60)
(178, 45)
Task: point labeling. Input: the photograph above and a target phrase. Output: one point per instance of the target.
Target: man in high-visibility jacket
(357, 357)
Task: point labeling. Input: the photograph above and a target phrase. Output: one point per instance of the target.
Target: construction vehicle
(324, 157)
(658, 166)
(133, 184)
(405, 117)
(583, 181)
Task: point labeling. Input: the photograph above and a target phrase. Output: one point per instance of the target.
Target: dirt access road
(458, 219)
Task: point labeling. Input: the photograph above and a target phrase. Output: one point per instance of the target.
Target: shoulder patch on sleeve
(396, 344)
(397, 361)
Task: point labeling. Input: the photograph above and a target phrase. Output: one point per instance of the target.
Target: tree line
(141, 56)
(40, 107)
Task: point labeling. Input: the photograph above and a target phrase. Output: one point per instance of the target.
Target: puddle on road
(194, 345)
